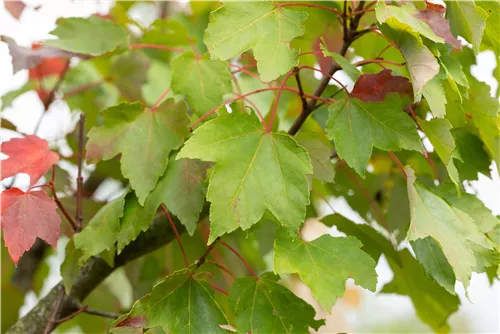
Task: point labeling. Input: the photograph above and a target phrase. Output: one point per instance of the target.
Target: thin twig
(102, 313)
(177, 236)
(301, 90)
(63, 209)
(79, 179)
(72, 315)
(235, 252)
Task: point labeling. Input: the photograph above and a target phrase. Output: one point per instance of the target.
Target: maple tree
(227, 127)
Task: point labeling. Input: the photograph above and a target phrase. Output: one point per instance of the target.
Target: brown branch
(79, 178)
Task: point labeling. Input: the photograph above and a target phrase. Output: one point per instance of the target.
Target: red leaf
(15, 8)
(374, 87)
(26, 216)
(433, 15)
(30, 155)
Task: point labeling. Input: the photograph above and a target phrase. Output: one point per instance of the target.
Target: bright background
(360, 310)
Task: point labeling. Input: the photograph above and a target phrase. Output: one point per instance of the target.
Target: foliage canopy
(235, 122)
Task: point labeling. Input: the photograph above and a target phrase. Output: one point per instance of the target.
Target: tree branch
(92, 274)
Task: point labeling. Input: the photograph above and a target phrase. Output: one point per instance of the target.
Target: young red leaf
(26, 216)
(374, 87)
(30, 155)
(433, 15)
(15, 8)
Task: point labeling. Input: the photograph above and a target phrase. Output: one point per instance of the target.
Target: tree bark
(91, 275)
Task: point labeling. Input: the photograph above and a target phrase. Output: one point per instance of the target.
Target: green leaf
(203, 81)
(432, 303)
(481, 215)
(451, 228)
(406, 15)
(70, 267)
(438, 132)
(474, 158)
(430, 255)
(346, 65)
(435, 97)
(260, 26)
(320, 151)
(143, 137)
(264, 306)
(357, 126)
(467, 20)
(93, 35)
(491, 36)
(182, 303)
(100, 234)
(256, 171)
(420, 62)
(398, 209)
(373, 243)
(325, 264)
(485, 114)
(183, 190)
(158, 80)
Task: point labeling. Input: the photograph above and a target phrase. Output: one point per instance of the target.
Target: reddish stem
(361, 12)
(262, 120)
(291, 89)
(310, 53)
(155, 46)
(221, 267)
(74, 225)
(177, 236)
(215, 287)
(244, 70)
(277, 100)
(371, 61)
(155, 105)
(83, 88)
(333, 10)
(325, 74)
(324, 199)
(72, 315)
(398, 163)
(383, 50)
(235, 252)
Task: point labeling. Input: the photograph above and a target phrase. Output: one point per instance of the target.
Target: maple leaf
(374, 87)
(143, 137)
(263, 27)
(182, 303)
(25, 217)
(254, 300)
(30, 155)
(325, 264)
(357, 126)
(203, 81)
(467, 20)
(433, 15)
(255, 171)
(348, 68)
(453, 229)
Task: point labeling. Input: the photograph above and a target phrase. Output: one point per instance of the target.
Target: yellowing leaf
(261, 26)
(324, 264)
(450, 227)
(255, 171)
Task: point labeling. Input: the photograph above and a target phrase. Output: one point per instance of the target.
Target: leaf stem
(155, 46)
(398, 163)
(374, 61)
(72, 315)
(325, 74)
(162, 96)
(177, 236)
(79, 179)
(262, 120)
(235, 252)
(277, 99)
(244, 70)
(288, 4)
(63, 209)
(291, 89)
(215, 287)
(203, 258)
(83, 88)
(221, 267)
